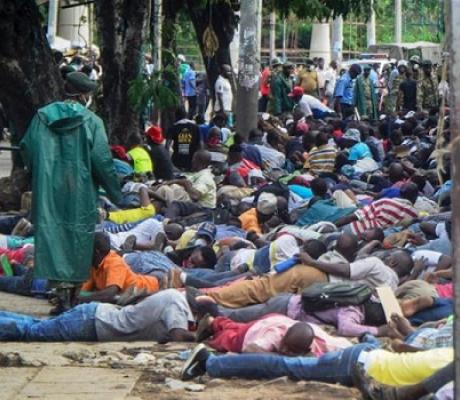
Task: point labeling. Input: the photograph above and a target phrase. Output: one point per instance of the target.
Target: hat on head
(410, 114)
(352, 134)
(427, 62)
(402, 63)
(155, 134)
(415, 59)
(275, 62)
(296, 91)
(119, 152)
(207, 229)
(267, 203)
(288, 64)
(80, 82)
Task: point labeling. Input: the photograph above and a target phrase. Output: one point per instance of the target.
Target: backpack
(322, 296)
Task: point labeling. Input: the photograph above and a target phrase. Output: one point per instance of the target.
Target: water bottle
(286, 264)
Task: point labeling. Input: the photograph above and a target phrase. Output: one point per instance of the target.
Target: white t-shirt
(321, 73)
(331, 78)
(314, 103)
(223, 87)
(145, 232)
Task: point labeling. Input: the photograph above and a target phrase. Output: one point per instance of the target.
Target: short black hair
(315, 248)
(321, 138)
(319, 187)
(102, 242)
(209, 257)
(134, 140)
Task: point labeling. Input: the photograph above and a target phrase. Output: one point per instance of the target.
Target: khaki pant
(172, 193)
(261, 289)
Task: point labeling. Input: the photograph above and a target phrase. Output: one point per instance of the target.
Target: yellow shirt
(142, 163)
(407, 368)
(131, 215)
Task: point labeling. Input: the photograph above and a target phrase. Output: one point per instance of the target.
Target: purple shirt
(348, 320)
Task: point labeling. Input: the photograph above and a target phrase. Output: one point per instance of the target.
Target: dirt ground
(132, 371)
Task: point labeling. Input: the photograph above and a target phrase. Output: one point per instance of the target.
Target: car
(383, 63)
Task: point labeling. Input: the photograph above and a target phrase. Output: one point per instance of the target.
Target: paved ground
(125, 371)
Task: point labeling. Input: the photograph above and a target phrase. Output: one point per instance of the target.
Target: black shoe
(207, 307)
(203, 330)
(196, 364)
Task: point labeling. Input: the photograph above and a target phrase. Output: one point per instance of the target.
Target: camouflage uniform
(427, 92)
(390, 103)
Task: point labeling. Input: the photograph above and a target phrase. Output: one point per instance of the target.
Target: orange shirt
(250, 222)
(114, 271)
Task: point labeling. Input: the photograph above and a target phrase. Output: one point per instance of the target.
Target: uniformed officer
(427, 88)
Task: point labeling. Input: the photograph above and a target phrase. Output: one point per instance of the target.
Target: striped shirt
(383, 213)
(321, 159)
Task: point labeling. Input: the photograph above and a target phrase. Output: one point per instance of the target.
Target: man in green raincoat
(364, 97)
(66, 150)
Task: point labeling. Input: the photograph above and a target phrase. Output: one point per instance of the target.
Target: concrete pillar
(272, 35)
(398, 21)
(53, 7)
(371, 40)
(248, 66)
(337, 39)
(157, 28)
(235, 46)
(320, 45)
(73, 25)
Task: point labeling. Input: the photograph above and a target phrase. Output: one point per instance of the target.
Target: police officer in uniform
(427, 88)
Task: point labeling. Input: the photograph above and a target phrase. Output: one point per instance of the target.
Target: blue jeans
(76, 324)
(442, 308)
(333, 367)
(23, 282)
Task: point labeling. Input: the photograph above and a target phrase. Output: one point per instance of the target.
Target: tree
(122, 28)
(29, 78)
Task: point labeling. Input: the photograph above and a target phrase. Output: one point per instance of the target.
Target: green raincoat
(66, 149)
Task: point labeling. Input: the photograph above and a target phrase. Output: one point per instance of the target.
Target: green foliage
(152, 89)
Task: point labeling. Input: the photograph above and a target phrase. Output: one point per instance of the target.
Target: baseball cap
(155, 134)
(296, 91)
(208, 230)
(267, 203)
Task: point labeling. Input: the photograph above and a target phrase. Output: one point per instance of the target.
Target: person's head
(321, 139)
(347, 246)
(372, 234)
(309, 64)
(400, 261)
(296, 94)
(192, 66)
(354, 70)
(321, 63)
(79, 87)
(315, 248)
(220, 120)
(173, 231)
(402, 67)
(133, 141)
(374, 314)
(297, 340)
(333, 64)
(288, 69)
(226, 71)
(235, 154)
(214, 136)
(207, 231)
(395, 172)
(101, 247)
(255, 135)
(366, 70)
(409, 191)
(267, 205)
(427, 67)
(319, 187)
(58, 57)
(154, 134)
(273, 138)
(376, 67)
(203, 257)
(275, 64)
(201, 160)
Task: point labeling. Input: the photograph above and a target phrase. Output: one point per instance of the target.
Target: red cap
(119, 152)
(296, 91)
(155, 134)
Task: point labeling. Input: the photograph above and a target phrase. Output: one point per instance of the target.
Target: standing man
(427, 88)
(414, 65)
(189, 89)
(281, 86)
(66, 150)
(364, 97)
(344, 91)
(393, 86)
(267, 76)
(224, 94)
(321, 75)
(407, 96)
(330, 79)
(308, 79)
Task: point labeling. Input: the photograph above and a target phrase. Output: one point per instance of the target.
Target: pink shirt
(267, 334)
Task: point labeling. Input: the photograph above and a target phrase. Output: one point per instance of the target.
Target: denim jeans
(8, 222)
(146, 262)
(76, 324)
(442, 308)
(333, 367)
(23, 282)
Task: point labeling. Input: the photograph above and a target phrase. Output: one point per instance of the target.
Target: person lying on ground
(160, 317)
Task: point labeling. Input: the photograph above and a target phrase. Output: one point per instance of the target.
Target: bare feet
(399, 346)
(413, 306)
(402, 324)
(390, 330)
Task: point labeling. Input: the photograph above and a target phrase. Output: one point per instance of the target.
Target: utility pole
(398, 21)
(371, 27)
(248, 66)
(284, 40)
(337, 39)
(157, 22)
(53, 7)
(453, 35)
(272, 35)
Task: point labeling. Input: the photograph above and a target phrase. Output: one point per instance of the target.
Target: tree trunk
(223, 21)
(29, 78)
(122, 29)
